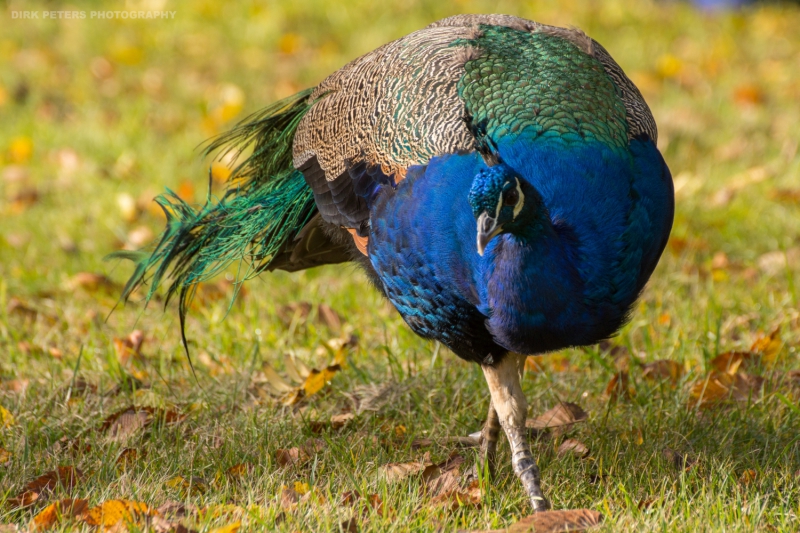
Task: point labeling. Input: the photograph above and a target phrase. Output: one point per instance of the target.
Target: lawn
(310, 405)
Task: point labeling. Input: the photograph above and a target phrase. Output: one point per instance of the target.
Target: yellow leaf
(112, 512)
(21, 149)
(301, 488)
(55, 512)
(669, 66)
(5, 456)
(220, 172)
(289, 43)
(317, 379)
(769, 347)
(6, 418)
(230, 528)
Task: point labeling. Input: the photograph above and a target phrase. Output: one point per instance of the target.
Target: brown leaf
(719, 388)
(747, 477)
(328, 317)
(371, 397)
(60, 510)
(129, 347)
(394, 472)
(619, 387)
(679, 460)
(126, 422)
(552, 522)
(445, 477)
(22, 309)
(349, 526)
(730, 362)
(175, 509)
(573, 447)
(127, 458)
(289, 498)
(563, 414)
(5, 456)
(338, 421)
(113, 512)
(663, 369)
(92, 282)
(297, 456)
(160, 525)
(239, 471)
(455, 498)
(297, 311)
(66, 476)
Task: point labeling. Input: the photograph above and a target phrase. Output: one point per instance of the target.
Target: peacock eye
(511, 197)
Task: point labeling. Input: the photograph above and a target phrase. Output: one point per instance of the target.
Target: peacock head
(499, 203)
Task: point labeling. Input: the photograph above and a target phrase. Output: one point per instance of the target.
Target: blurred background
(98, 116)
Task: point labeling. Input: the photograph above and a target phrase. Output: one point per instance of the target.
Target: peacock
(497, 179)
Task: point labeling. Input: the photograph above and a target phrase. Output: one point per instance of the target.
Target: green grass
(117, 108)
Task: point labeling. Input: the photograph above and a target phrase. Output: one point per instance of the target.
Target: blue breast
(610, 214)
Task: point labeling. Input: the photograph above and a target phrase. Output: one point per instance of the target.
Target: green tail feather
(268, 203)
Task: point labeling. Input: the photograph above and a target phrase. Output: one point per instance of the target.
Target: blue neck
(567, 280)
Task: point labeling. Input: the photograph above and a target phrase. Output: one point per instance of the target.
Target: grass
(97, 114)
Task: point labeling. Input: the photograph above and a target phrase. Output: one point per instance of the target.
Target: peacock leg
(489, 439)
(509, 402)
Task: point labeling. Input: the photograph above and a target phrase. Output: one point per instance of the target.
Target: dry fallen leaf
(721, 387)
(298, 456)
(318, 379)
(552, 522)
(126, 422)
(619, 387)
(747, 477)
(239, 471)
(92, 282)
(444, 477)
(230, 528)
(573, 447)
(113, 512)
(680, 460)
(730, 362)
(328, 317)
(768, 347)
(6, 418)
(129, 347)
(562, 415)
(663, 369)
(394, 472)
(294, 312)
(349, 526)
(54, 513)
(371, 397)
(455, 498)
(289, 498)
(127, 458)
(192, 486)
(66, 476)
(5, 456)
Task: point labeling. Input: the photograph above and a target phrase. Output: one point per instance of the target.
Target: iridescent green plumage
(540, 84)
(267, 204)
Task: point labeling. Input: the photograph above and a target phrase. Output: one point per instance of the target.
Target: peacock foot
(510, 406)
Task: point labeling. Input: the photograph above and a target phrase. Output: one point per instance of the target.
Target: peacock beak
(488, 228)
